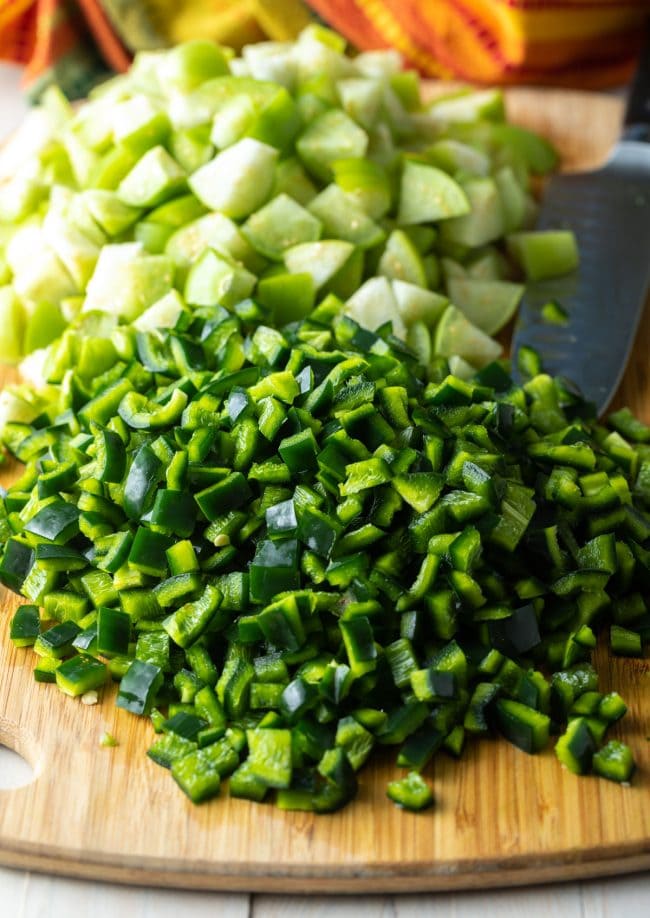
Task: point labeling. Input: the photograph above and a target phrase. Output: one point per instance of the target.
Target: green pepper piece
(229, 494)
(45, 669)
(269, 755)
(411, 792)
(517, 634)
(16, 563)
(79, 675)
(614, 762)
(299, 452)
(99, 587)
(360, 645)
(112, 551)
(110, 455)
(265, 696)
(113, 631)
(523, 726)
(281, 623)
(142, 414)
(181, 558)
(281, 518)
(148, 552)
(139, 687)
(274, 569)
(181, 586)
(190, 621)
(25, 626)
(170, 747)
(62, 605)
(62, 478)
(102, 407)
(59, 557)
(57, 522)
(184, 724)
(57, 641)
(355, 740)
(199, 773)
(244, 783)
(297, 698)
(318, 531)
(141, 480)
(154, 647)
(576, 746)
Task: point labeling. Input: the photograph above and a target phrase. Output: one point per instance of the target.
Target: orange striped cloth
(589, 43)
(60, 41)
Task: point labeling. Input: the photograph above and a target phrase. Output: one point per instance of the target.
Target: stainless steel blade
(609, 211)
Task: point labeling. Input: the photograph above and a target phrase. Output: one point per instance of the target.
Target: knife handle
(636, 125)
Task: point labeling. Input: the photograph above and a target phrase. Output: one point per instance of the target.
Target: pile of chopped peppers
(290, 550)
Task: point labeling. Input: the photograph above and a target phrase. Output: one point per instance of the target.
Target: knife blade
(608, 209)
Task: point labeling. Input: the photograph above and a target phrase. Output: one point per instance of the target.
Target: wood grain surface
(501, 817)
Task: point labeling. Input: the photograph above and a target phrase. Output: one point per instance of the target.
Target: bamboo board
(501, 817)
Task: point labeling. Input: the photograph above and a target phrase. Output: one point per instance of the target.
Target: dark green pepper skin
(141, 481)
(274, 569)
(57, 522)
(138, 687)
(15, 564)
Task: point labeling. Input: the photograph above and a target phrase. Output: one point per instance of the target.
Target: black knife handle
(636, 125)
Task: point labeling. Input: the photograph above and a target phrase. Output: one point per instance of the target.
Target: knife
(609, 212)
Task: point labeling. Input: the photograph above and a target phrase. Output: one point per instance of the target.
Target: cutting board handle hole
(15, 771)
(18, 757)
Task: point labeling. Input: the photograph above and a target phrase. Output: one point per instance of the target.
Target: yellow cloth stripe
(395, 36)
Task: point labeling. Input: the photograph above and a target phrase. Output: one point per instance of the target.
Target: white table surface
(30, 895)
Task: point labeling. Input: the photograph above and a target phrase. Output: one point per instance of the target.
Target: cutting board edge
(325, 878)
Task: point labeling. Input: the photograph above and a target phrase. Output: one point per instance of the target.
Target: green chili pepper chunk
(142, 414)
(614, 761)
(79, 675)
(411, 792)
(113, 631)
(25, 626)
(139, 686)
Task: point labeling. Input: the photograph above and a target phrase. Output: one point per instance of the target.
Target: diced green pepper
(25, 626)
(139, 687)
(614, 761)
(79, 675)
(411, 792)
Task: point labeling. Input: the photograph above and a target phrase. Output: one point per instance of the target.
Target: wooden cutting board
(501, 817)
